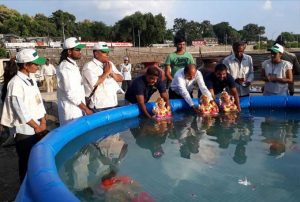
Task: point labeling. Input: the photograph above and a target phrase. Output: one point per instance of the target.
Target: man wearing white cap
(103, 74)
(23, 107)
(276, 73)
(70, 90)
(126, 71)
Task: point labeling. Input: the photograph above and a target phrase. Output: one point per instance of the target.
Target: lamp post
(63, 30)
(258, 41)
(139, 35)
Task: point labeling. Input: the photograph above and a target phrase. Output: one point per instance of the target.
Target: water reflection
(279, 135)
(189, 143)
(83, 172)
(151, 134)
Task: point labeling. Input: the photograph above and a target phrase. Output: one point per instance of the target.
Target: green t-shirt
(179, 61)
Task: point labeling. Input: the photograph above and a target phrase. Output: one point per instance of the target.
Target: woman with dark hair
(10, 71)
(23, 108)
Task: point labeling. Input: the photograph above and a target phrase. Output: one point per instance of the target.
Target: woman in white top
(23, 107)
(276, 73)
(126, 72)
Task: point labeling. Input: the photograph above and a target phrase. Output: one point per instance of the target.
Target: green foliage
(251, 32)
(137, 28)
(3, 53)
(225, 33)
(193, 30)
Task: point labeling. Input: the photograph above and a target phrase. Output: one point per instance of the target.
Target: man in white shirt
(183, 83)
(23, 107)
(48, 71)
(240, 66)
(70, 90)
(126, 71)
(102, 74)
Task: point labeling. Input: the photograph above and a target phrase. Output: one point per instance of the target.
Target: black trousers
(126, 84)
(24, 144)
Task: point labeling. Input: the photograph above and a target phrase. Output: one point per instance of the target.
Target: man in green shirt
(178, 59)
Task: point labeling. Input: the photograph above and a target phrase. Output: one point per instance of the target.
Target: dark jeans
(126, 84)
(24, 144)
(291, 89)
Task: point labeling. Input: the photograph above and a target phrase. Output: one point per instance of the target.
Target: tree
(147, 28)
(207, 29)
(288, 37)
(6, 13)
(64, 21)
(19, 25)
(41, 26)
(192, 30)
(84, 30)
(179, 25)
(169, 35)
(252, 32)
(225, 33)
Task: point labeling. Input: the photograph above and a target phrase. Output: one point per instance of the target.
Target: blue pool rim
(42, 182)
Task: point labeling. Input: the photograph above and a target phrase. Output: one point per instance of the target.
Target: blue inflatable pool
(42, 182)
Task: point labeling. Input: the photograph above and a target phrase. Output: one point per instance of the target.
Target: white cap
(72, 42)
(29, 55)
(126, 58)
(276, 48)
(102, 46)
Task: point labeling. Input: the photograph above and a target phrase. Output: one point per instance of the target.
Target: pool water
(252, 156)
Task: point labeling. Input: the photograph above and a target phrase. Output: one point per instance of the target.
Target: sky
(275, 15)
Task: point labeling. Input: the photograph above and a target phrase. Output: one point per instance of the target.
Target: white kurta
(70, 91)
(126, 71)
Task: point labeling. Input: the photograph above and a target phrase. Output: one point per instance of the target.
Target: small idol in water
(207, 107)
(160, 110)
(227, 102)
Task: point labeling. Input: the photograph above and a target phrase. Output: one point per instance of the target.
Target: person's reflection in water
(222, 130)
(187, 133)
(279, 135)
(83, 173)
(151, 135)
(240, 153)
(243, 131)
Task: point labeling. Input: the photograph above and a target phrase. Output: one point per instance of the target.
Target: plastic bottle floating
(206, 107)
(160, 110)
(227, 102)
